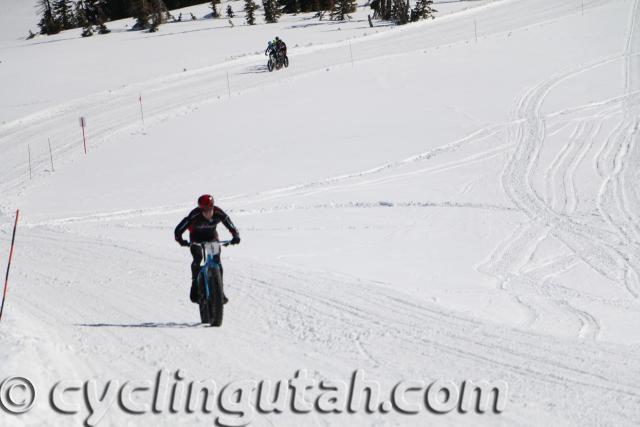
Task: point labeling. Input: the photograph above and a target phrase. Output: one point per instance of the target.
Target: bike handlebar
(222, 242)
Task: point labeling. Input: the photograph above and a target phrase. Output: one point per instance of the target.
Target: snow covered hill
(66, 66)
(455, 199)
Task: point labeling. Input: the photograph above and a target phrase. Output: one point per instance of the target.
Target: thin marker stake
(83, 123)
(6, 278)
(141, 111)
(51, 156)
(351, 53)
(29, 150)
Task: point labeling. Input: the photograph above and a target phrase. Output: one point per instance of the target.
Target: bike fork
(206, 284)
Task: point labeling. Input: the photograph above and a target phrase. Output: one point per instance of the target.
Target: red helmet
(205, 201)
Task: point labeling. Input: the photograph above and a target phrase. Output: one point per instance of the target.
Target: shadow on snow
(140, 325)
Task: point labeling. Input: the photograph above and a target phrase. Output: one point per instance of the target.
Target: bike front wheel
(216, 303)
(203, 301)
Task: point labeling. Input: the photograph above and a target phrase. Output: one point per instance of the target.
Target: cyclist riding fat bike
(201, 223)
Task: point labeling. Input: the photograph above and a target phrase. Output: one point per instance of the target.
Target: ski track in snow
(553, 214)
(332, 314)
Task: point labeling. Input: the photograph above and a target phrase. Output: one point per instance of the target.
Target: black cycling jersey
(202, 229)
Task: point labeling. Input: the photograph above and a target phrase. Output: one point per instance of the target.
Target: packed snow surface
(452, 199)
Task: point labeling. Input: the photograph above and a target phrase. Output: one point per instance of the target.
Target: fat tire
(216, 303)
(203, 304)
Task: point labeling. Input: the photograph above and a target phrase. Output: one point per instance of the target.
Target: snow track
(615, 258)
(323, 313)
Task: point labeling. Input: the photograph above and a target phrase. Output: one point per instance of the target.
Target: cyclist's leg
(196, 253)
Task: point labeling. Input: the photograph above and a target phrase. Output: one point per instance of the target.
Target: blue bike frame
(209, 262)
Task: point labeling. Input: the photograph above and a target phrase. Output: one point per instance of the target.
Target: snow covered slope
(66, 66)
(440, 207)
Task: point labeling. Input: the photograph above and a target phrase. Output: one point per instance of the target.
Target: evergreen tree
(312, 5)
(84, 17)
(400, 12)
(271, 11)
(327, 5)
(100, 16)
(214, 8)
(96, 11)
(63, 13)
(289, 6)
(81, 18)
(141, 11)
(230, 13)
(249, 8)
(308, 5)
(422, 10)
(148, 14)
(158, 14)
(342, 9)
(48, 25)
(87, 31)
(155, 23)
(118, 9)
(375, 6)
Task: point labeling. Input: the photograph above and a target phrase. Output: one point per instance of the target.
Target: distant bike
(210, 287)
(277, 61)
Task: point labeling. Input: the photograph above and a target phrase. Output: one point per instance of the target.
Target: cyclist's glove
(235, 240)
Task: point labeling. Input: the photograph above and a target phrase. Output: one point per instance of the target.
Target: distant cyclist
(271, 48)
(201, 223)
(277, 47)
(281, 47)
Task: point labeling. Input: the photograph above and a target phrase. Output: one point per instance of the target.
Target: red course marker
(6, 279)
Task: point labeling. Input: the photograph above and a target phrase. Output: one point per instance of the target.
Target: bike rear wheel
(286, 62)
